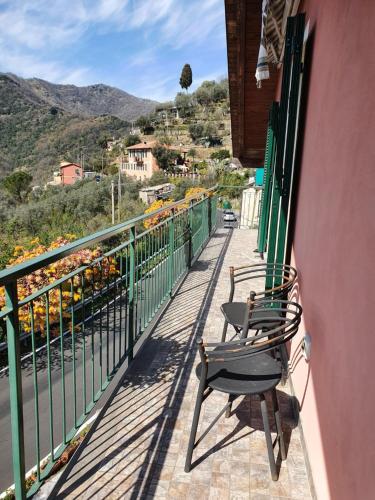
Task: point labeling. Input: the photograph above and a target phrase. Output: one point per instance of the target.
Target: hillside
(36, 133)
(93, 100)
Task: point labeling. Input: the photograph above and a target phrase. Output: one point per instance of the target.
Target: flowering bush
(194, 192)
(156, 205)
(71, 290)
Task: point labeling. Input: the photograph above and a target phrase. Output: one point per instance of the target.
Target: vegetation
(95, 276)
(207, 131)
(235, 180)
(191, 193)
(144, 123)
(165, 157)
(181, 187)
(211, 91)
(81, 209)
(18, 185)
(186, 78)
(131, 140)
(184, 103)
(220, 155)
(157, 178)
(34, 138)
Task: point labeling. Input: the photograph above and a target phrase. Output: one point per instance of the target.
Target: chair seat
(254, 375)
(234, 313)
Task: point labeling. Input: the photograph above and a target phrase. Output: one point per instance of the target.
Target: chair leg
(194, 425)
(267, 431)
(225, 329)
(229, 409)
(280, 434)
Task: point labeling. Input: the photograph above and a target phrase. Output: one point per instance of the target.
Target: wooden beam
(274, 53)
(276, 26)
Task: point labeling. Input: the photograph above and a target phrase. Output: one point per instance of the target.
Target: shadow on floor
(148, 398)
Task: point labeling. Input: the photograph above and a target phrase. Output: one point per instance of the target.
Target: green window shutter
(286, 143)
(267, 179)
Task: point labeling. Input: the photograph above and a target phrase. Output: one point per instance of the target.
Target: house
(309, 115)
(161, 192)
(69, 173)
(141, 162)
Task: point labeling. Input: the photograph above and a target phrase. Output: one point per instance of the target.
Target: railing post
(171, 251)
(132, 249)
(15, 386)
(209, 216)
(190, 226)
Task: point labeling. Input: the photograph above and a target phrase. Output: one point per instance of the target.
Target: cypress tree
(186, 78)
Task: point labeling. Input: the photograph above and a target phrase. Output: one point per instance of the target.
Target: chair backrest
(290, 318)
(283, 272)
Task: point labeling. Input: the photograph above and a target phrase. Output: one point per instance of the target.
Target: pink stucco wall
(71, 173)
(334, 251)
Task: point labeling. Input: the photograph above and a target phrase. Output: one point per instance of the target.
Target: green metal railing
(120, 292)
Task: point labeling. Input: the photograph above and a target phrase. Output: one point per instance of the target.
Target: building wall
(69, 174)
(334, 251)
(141, 172)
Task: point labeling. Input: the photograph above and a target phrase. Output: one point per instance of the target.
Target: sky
(139, 46)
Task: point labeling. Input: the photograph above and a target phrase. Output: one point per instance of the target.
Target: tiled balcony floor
(138, 448)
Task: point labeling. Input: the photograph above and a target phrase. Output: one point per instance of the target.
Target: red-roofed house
(142, 163)
(70, 173)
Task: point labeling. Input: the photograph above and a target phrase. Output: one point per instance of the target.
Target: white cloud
(35, 32)
(193, 23)
(157, 89)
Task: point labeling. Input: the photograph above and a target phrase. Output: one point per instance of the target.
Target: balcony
(170, 282)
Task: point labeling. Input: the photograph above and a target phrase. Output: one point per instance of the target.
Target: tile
(139, 447)
(178, 490)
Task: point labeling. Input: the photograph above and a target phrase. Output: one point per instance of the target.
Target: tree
(210, 131)
(203, 94)
(144, 123)
(103, 141)
(157, 178)
(131, 140)
(18, 184)
(222, 154)
(231, 179)
(192, 153)
(196, 131)
(186, 78)
(211, 92)
(183, 103)
(165, 157)
(182, 185)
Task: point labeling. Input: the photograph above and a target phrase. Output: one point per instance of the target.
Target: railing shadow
(161, 372)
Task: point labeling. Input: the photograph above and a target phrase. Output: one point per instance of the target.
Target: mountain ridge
(36, 135)
(91, 100)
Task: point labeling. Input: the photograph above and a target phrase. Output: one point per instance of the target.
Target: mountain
(93, 100)
(43, 123)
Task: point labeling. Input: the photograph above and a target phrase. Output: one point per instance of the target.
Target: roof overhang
(250, 105)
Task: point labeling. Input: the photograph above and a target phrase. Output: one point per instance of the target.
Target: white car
(229, 216)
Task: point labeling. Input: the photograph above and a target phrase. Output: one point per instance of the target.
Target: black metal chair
(246, 367)
(234, 311)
